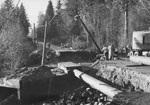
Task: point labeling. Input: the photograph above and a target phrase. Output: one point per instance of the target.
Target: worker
(127, 50)
(105, 52)
(48, 45)
(110, 52)
(115, 56)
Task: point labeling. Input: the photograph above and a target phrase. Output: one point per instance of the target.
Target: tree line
(14, 41)
(56, 30)
(109, 21)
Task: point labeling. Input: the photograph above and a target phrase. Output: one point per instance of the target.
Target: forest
(108, 21)
(15, 45)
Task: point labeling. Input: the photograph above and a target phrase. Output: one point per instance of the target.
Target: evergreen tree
(15, 45)
(8, 5)
(61, 25)
(106, 19)
(59, 20)
(41, 17)
(59, 5)
(73, 8)
(52, 28)
(23, 19)
(6, 12)
(40, 27)
(49, 11)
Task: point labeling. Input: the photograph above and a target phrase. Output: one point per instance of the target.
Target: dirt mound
(132, 98)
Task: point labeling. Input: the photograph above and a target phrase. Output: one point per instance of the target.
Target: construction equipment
(79, 18)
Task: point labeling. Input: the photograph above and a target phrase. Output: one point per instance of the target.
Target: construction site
(108, 67)
(73, 78)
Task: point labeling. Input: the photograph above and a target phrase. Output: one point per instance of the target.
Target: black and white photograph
(74, 52)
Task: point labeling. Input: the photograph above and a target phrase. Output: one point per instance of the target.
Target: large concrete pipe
(140, 60)
(97, 84)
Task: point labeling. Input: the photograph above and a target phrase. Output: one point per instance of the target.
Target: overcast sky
(33, 7)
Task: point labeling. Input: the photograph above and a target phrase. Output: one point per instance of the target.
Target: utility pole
(34, 33)
(126, 20)
(44, 45)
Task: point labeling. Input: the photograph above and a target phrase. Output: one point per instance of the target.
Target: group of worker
(108, 52)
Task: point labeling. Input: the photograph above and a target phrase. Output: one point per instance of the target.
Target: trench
(67, 89)
(134, 84)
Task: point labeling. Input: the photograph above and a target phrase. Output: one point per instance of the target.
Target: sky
(33, 7)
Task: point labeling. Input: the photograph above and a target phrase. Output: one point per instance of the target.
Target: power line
(52, 19)
(49, 21)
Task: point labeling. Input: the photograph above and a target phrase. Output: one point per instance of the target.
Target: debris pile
(80, 96)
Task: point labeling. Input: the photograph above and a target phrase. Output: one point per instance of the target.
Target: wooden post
(34, 33)
(126, 21)
(44, 45)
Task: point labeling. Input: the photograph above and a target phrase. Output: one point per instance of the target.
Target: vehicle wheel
(131, 53)
(136, 53)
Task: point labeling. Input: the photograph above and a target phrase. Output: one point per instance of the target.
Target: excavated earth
(133, 79)
(125, 74)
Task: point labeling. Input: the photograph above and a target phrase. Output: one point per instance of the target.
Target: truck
(140, 43)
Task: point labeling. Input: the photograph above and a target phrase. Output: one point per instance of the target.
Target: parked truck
(140, 43)
(140, 52)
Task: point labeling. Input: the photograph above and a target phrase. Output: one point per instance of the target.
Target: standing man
(105, 52)
(110, 52)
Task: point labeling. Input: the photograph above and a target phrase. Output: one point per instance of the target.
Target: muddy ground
(68, 90)
(61, 90)
(72, 91)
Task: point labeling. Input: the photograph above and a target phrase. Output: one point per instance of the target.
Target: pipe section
(97, 84)
(140, 60)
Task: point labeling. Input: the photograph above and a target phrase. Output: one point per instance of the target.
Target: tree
(59, 21)
(23, 19)
(124, 6)
(6, 11)
(59, 5)
(51, 29)
(40, 26)
(41, 17)
(49, 12)
(8, 6)
(106, 19)
(15, 45)
(73, 8)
